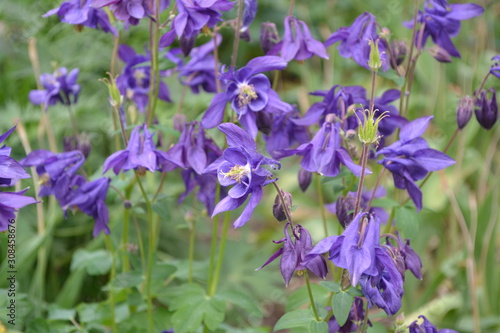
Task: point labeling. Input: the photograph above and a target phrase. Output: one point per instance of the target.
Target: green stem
(237, 34)
(220, 257)
(192, 234)
(213, 244)
(154, 76)
(365, 320)
(126, 224)
(109, 245)
(72, 118)
(311, 297)
(321, 203)
(364, 157)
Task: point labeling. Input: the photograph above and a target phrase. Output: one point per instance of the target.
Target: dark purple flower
(399, 50)
(412, 260)
(354, 250)
(487, 109)
(242, 166)
(80, 12)
(249, 92)
(495, 68)
(195, 14)
(134, 82)
(354, 40)
(324, 153)
(130, 10)
(268, 36)
(58, 87)
(10, 169)
(10, 202)
(464, 111)
(57, 171)
(410, 158)
(297, 43)
(293, 253)
(356, 316)
(442, 21)
(427, 327)
(140, 154)
(90, 198)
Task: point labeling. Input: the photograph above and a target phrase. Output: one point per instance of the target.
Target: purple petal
(273, 257)
(215, 112)
(266, 63)
(415, 128)
(464, 11)
(247, 212)
(433, 160)
(237, 137)
(228, 203)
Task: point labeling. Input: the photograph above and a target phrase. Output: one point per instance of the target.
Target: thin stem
(290, 9)
(116, 41)
(110, 247)
(220, 257)
(160, 187)
(237, 34)
(191, 250)
(213, 244)
(216, 60)
(154, 74)
(321, 200)
(126, 224)
(375, 189)
(365, 320)
(72, 118)
(311, 297)
(364, 158)
(286, 209)
(122, 122)
(412, 68)
(139, 240)
(476, 95)
(372, 96)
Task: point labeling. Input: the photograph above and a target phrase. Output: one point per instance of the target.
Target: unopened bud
(399, 50)
(440, 54)
(375, 61)
(268, 36)
(127, 204)
(264, 122)
(305, 178)
(487, 110)
(344, 208)
(179, 122)
(464, 111)
(280, 212)
(115, 98)
(79, 142)
(186, 44)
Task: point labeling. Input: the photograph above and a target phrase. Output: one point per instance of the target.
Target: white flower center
(246, 94)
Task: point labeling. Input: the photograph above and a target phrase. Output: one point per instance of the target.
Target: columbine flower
(487, 109)
(324, 154)
(268, 36)
(90, 198)
(10, 202)
(134, 81)
(130, 10)
(442, 21)
(297, 43)
(464, 111)
(495, 69)
(140, 154)
(249, 92)
(354, 40)
(10, 169)
(293, 253)
(410, 158)
(427, 327)
(80, 12)
(249, 12)
(59, 87)
(242, 166)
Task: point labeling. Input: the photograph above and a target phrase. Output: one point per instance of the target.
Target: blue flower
(80, 12)
(354, 40)
(495, 68)
(10, 169)
(442, 21)
(10, 202)
(487, 109)
(241, 166)
(410, 158)
(130, 10)
(249, 92)
(427, 327)
(58, 87)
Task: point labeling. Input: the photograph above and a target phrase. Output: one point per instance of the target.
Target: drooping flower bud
(464, 111)
(268, 36)
(179, 122)
(344, 208)
(399, 50)
(79, 142)
(280, 212)
(305, 178)
(487, 110)
(439, 53)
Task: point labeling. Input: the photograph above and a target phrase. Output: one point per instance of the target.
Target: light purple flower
(80, 12)
(10, 169)
(242, 167)
(10, 203)
(130, 10)
(58, 87)
(249, 92)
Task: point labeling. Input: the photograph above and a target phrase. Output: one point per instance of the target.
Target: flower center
(139, 76)
(237, 172)
(246, 94)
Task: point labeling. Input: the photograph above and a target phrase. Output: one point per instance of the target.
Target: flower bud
(399, 50)
(179, 122)
(439, 53)
(305, 178)
(79, 142)
(268, 36)
(487, 110)
(115, 98)
(280, 212)
(264, 122)
(344, 208)
(464, 111)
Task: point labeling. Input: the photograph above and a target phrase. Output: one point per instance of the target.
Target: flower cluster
(58, 87)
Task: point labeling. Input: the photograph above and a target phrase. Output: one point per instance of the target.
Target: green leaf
(341, 305)
(318, 327)
(355, 292)
(393, 76)
(332, 286)
(242, 300)
(297, 318)
(39, 325)
(57, 313)
(406, 220)
(127, 280)
(214, 312)
(95, 262)
(188, 318)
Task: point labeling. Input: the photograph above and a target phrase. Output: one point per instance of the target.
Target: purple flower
(196, 14)
(57, 171)
(324, 154)
(427, 327)
(130, 10)
(268, 36)
(249, 12)
(134, 82)
(354, 40)
(487, 109)
(495, 69)
(442, 21)
(90, 198)
(140, 154)
(80, 12)
(354, 250)
(10, 202)
(382, 104)
(249, 92)
(297, 43)
(412, 260)
(242, 166)
(10, 169)
(410, 158)
(58, 87)
(293, 253)
(356, 316)
(464, 111)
